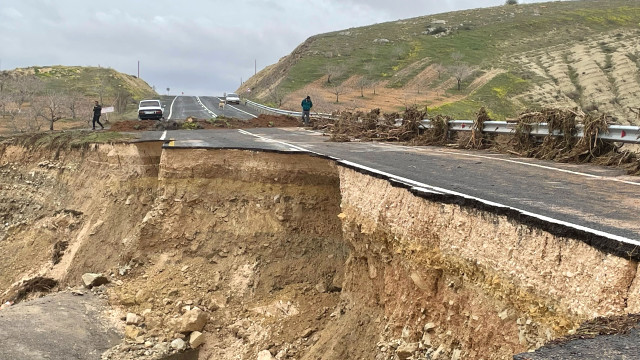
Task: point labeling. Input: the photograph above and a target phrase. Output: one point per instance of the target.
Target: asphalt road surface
(203, 107)
(57, 327)
(598, 200)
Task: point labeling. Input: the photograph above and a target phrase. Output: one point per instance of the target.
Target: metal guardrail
(269, 110)
(617, 133)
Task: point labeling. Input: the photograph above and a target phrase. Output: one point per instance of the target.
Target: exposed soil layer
(218, 123)
(294, 255)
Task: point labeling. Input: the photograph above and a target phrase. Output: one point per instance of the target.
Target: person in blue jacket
(306, 108)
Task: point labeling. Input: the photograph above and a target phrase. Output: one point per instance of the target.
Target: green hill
(94, 82)
(561, 54)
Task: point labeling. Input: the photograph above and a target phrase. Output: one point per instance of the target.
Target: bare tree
(457, 57)
(100, 87)
(459, 69)
(25, 88)
(334, 71)
(337, 90)
(439, 69)
(8, 110)
(363, 82)
(51, 107)
(72, 101)
(122, 99)
(5, 78)
(461, 72)
(276, 96)
(371, 69)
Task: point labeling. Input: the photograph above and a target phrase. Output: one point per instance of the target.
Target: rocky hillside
(507, 58)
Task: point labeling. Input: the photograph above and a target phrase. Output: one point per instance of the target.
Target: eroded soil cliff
(293, 255)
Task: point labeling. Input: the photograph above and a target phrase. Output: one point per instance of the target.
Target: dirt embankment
(294, 255)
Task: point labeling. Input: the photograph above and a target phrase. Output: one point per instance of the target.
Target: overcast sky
(196, 46)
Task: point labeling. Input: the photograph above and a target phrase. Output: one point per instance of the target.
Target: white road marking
(542, 167)
(235, 108)
(292, 147)
(416, 185)
(164, 135)
(171, 107)
(206, 108)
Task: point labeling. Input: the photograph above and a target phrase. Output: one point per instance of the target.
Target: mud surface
(57, 327)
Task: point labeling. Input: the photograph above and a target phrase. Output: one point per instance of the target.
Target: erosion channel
(291, 256)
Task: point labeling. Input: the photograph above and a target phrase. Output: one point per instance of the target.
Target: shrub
(511, 2)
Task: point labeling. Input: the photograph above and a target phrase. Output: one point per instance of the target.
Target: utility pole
(255, 66)
(138, 69)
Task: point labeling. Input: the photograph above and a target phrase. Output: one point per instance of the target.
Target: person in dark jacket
(306, 108)
(97, 110)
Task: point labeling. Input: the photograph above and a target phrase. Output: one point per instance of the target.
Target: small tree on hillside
(122, 99)
(334, 71)
(461, 72)
(25, 89)
(337, 90)
(371, 70)
(439, 69)
(511, 2)
(72, 101)
(276, 96)
(363, 82)
(51, 107)
(5, 78)
(459, 69)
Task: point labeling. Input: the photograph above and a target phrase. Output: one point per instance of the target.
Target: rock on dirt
(90, 280)
(265, 355)
(178, 344)
(406, 350)
(132, 319)
(196, 339)
(192, 320)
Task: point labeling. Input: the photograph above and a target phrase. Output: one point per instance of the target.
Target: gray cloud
(196, 46)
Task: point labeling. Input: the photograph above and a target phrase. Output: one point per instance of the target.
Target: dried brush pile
(564, 123)
(565, 146)
(478, 139)
(373, 126)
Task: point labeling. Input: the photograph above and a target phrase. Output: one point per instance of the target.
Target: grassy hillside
(90, 81)
(572, 53)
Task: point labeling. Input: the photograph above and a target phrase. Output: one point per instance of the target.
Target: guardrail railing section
(616, 133)
(269, 110)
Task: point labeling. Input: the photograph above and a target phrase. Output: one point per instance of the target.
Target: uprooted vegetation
(564, 147)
